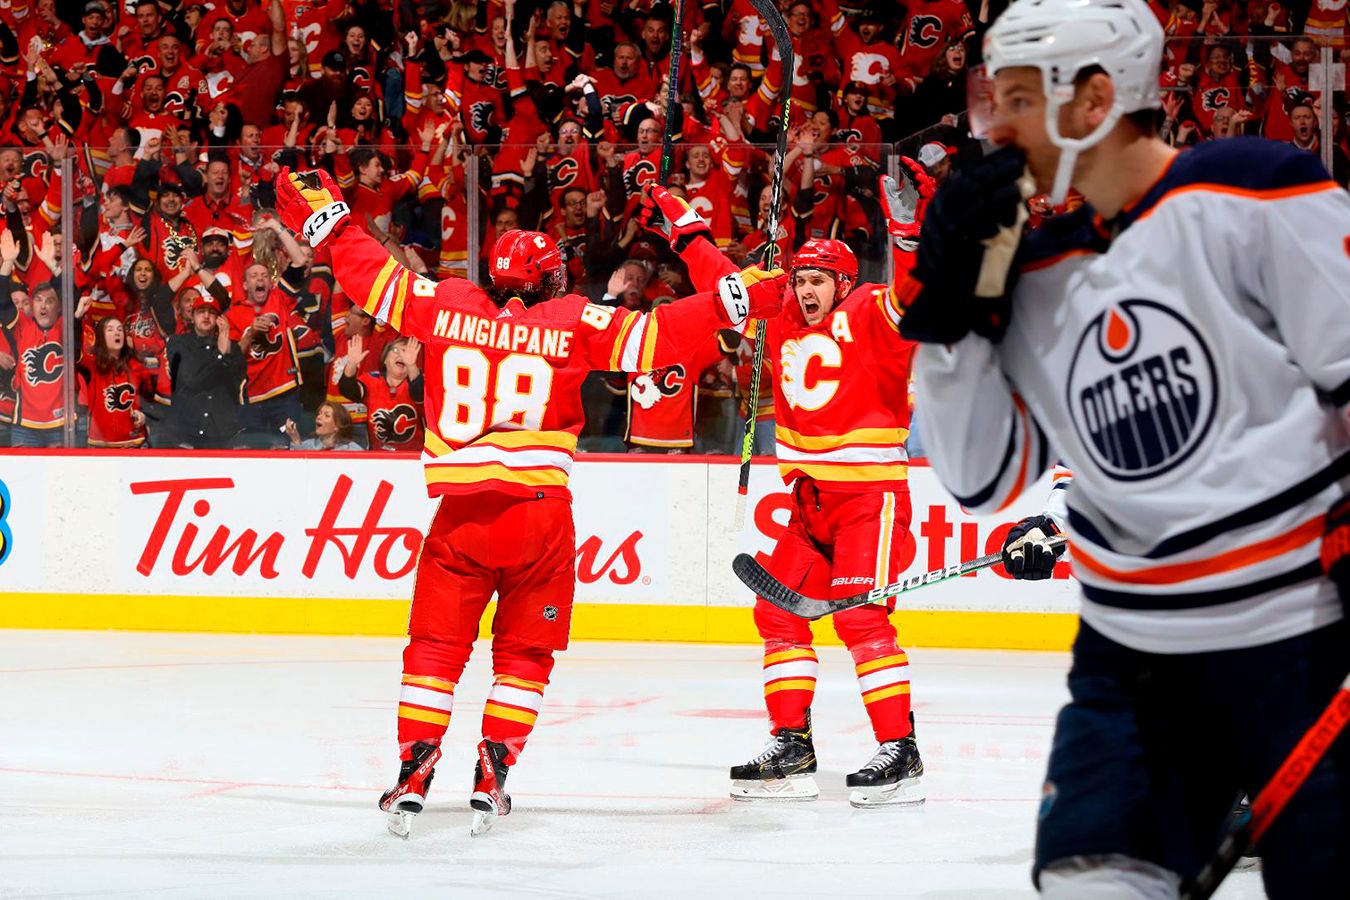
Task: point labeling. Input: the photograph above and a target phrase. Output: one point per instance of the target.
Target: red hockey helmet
(828, 255)
(525, 259)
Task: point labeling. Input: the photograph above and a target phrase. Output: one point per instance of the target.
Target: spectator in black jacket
(206, 372)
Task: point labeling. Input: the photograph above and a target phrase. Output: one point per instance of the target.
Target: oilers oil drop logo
(1142, 390)
(6, 538)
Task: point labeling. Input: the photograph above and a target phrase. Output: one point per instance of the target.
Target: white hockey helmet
(1064, 37)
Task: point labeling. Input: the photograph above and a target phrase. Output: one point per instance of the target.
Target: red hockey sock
(883, 679)
(430, 671)
(789, 683)
(520, 674)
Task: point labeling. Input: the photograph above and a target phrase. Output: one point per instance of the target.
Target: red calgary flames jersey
(840, 388)
(503, 384)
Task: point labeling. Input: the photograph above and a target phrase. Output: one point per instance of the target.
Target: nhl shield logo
(551, 613)
(1142, 390)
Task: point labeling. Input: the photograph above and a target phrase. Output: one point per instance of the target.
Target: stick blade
(757, 578)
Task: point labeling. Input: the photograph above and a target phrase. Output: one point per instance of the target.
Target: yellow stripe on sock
(512, 681)
(791, 684)
(893, 690)
(423, 715)
(427, 681)
(873, 664)
(505, 712)
(785, 655)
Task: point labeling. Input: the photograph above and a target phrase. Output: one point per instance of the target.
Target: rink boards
(327, 544)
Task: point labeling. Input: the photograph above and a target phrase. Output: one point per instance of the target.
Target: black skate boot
(892, 777)
(406, 799)
(784, 771)
(489, 799)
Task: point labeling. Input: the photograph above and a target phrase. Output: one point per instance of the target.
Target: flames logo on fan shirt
(118, 397)
(6, 538)
(633, 179)
(1214, 98)
(43, 364)
(480, 116)
(265, 345)
(395, 425)
(924, 31)
(1142, 390)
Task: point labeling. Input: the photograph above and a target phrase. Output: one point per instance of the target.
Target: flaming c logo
(6, 538)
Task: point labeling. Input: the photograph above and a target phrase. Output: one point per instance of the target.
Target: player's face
(1019, 119)
(815, 292)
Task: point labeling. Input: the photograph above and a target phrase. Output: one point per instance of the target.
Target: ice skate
(892, 777)
(489, 799)
(406, 799)
(1242, 814)
(784, 771)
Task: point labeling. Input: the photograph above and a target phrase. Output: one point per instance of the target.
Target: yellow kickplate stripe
(873, 664)
(692, 623)
(496, 710)
(790, 684)
(427, 681)
(893, 690)
(423, 715)
(513, 681)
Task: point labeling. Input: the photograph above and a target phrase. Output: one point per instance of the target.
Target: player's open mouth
(811, 307)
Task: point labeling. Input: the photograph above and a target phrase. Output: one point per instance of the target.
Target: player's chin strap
(321, 222)
(1069, 148)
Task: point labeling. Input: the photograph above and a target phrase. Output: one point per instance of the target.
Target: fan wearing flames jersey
(112, 380)
(503, 376)
(392, 394)
(840, 362)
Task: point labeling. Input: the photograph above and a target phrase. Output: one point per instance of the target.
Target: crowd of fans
(202, 322)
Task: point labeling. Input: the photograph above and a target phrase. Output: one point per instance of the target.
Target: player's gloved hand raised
(310, 204)
(752, 293)
(1027, 553)
(905, 202)
(665, 214)
(962, 280)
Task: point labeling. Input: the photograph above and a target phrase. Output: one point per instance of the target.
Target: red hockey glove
(905, 202)
(752, 294)
(310, 204)
(665, 214)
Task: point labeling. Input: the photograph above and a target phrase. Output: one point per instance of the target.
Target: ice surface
(164, 765)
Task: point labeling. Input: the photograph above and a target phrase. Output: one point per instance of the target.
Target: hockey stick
(674, 111)
(769, 12)
(757, 578)
(1275, 795)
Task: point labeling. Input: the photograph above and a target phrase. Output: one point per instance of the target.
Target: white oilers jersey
(1192, 367)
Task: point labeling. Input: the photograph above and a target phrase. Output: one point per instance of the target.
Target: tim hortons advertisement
(351, 527)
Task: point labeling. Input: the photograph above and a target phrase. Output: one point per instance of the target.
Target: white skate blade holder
(402, 814)
(794, 787)
(485, 812)
(906, 792)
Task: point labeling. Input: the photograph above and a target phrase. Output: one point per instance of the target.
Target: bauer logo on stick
(1142, 390)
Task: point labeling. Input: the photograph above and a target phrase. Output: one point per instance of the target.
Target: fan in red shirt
(391, 394)
(625, 82)
(34, 342)
(504, 369)
(112, 380)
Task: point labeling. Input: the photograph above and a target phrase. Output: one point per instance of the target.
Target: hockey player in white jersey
(1182, 343)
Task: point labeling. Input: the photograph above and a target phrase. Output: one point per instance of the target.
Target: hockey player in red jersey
(503, 375)
(839, 360)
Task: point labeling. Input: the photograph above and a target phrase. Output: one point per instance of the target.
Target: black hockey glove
(1336, 547)
(963, 277)
(1026, 551)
